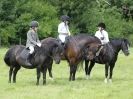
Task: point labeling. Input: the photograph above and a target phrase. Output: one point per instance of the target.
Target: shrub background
(15, 16)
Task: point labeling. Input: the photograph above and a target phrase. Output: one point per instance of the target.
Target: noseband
(127, 51)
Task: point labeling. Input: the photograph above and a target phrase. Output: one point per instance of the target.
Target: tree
(7, 17)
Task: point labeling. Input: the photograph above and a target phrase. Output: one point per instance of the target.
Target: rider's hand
(102, 38)
(39, 44)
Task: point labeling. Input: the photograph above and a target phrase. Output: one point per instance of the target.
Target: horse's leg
(10, 74)
(71, 72)
(38, 71)
(106, 72)
(50, 70)
(86, 68)
(15, 73)
(111, 71)
(90, 67)
(74, 72)
(44, 75)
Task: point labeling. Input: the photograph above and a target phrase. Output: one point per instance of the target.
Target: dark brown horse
(74, 50)
(107, 56)
(42, 59)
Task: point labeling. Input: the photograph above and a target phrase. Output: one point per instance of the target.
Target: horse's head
(54, 48)
(91, 51)
(125, 46)
(57, 51)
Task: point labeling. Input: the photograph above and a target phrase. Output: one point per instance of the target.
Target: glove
(38, 44)
(102, 38)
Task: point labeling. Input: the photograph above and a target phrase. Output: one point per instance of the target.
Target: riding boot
(63, 46)
(27, 62)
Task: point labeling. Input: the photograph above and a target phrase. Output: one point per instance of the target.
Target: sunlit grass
(61, 88)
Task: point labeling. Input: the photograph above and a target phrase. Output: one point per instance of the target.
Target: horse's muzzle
(126, 53)
(57, 61)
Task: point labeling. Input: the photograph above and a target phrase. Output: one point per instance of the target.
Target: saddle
(25, 53)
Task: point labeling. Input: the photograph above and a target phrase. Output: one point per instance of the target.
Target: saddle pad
(24, 54)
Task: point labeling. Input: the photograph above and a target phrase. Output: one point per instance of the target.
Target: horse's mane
(49, 43)
(46, 40)
(78, 37)
(110, 50)
(115, 41)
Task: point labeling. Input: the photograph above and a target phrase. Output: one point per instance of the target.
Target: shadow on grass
(65, 81)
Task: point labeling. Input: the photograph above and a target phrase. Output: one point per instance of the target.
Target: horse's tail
(7, 58)
(80, 66)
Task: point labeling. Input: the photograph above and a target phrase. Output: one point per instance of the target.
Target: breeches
(62, 37)
(31, 49)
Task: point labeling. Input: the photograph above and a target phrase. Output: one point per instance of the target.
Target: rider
(63, 28)
(32, 40)
(102, 34)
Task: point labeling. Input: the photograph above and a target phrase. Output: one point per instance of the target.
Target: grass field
(61, 88)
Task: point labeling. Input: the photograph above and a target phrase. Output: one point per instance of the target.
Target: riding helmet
(102, 25)
(34, 24)
(65, 18)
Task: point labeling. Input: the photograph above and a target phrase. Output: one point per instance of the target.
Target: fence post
(20, 41)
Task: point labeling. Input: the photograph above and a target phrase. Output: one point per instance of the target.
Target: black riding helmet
(65, 18)
(34, 24)
(102, 25)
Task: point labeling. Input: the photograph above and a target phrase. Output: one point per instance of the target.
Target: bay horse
(42, 59)
(74, 50)
(107, 56)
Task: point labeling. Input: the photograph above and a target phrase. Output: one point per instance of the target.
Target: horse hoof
(110, 80)
(37, 84)
(106, 80)
(73, 79)
(70, 79)
(9, 81)
(14, 81)
(51, 78)
(88, 77)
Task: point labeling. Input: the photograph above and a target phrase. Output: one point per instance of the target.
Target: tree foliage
(15, 16)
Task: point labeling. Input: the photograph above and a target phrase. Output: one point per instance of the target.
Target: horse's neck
(82, 43)
(74, 44)
(116, 47)
(107, 50)
(37, 54)
(107, 54)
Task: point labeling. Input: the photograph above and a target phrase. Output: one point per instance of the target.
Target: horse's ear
(126, 41)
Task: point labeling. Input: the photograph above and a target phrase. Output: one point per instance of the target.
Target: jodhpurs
(31, 49)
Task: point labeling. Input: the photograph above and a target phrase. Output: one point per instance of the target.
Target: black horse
(42, 59)
(107, 56)
(74, 50)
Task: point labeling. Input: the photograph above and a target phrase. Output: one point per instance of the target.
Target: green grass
(61, 88)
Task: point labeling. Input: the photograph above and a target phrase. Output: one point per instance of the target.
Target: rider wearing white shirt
(102, 34)
(63, 28)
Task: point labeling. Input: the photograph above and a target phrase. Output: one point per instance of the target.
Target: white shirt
(102, 34)
(63, 31)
